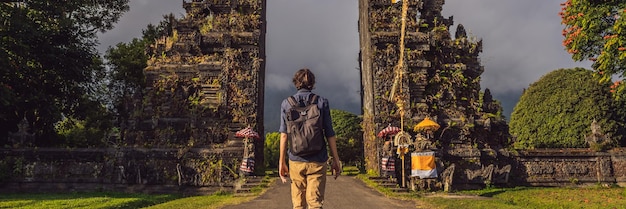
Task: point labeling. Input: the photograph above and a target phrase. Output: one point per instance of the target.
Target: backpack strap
(313, 98)
(292, 101)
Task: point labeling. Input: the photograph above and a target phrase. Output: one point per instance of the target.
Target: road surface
(345, 192)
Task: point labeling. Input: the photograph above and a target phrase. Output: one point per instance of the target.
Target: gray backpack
(304, 126)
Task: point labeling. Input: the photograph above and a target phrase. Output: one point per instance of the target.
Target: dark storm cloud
(522, 39)
(319, 35)
(522, 42)
(142, 13)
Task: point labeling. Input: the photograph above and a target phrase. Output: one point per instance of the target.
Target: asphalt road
(345, 192)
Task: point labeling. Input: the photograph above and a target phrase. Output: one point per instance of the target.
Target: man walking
(305, 122)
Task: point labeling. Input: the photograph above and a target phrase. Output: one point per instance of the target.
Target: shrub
(557, 110)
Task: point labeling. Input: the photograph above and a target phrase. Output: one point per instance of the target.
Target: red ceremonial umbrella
(247, 133)
(388, 131)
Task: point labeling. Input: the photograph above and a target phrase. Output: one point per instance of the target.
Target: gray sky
(522, 42)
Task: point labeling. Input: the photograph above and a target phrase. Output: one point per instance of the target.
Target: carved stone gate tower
(205, 82)
(441, 80)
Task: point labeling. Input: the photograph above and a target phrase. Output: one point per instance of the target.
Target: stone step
(399, 190)
(243, 190)
(388, 184)
(250, 185)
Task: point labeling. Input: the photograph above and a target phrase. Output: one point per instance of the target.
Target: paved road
(345, 192)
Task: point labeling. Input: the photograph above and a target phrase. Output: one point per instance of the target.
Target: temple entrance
(320, 36)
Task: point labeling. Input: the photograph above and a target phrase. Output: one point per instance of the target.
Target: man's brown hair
(304, 79)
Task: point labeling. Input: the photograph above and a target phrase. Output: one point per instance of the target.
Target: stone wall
(552, 167)
(193, 171)
(477, 168)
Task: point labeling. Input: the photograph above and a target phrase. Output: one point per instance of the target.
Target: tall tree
(126, 62)
(596, 30)
(48, 59)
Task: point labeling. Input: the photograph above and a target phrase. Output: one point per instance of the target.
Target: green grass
(82, 200)
(350, 171)
(533, 197)
(105, 200)
(514, 198)
(209, 202)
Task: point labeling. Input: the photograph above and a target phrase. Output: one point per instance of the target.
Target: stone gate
(206, 81)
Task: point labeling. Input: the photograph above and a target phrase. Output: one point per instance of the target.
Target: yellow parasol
(426, 125)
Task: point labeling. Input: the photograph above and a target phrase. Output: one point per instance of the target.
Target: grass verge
(82, 200)
(513, 198)
(537, 197)
(105, 200)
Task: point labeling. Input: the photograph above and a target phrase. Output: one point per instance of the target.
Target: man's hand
(335, 167)
(283, 172)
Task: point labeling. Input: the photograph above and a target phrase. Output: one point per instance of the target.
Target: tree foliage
(48, 60)
(349, 135)
(596, 30)
(556, 111)
(126, 62)
(271, 150)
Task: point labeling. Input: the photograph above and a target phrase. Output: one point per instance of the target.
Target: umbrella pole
(403, 178)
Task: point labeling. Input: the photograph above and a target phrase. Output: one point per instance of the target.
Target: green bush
(349, 134)
(271, 150)
(557, 110)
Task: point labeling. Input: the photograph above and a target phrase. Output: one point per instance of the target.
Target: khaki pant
(308, 182)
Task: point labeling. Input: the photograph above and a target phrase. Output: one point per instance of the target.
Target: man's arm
(283, 170)
(336, 164)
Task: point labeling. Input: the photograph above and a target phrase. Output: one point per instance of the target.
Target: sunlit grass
(534, 197)
(209, 202)
(518, 198)
(524, 197)
(82, 200)
(105, 200)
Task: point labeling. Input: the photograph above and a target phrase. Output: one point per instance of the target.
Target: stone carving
(575, 169)
(447, 177)
(460, 32)
(388, 149)
(248, 151)
(501, 175)
(422, 143)
(605, 167)
(597, 140)
(489, 174)
(23, 136)
(539, 169)
(483, 174)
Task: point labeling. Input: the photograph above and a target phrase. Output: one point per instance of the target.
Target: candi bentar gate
(205, 86)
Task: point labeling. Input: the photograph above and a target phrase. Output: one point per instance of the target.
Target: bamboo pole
(400, 99)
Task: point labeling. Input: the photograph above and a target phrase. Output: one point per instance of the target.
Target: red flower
(622, 48)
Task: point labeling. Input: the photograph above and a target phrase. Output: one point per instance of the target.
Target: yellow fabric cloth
(421, 162)
(423, 165)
